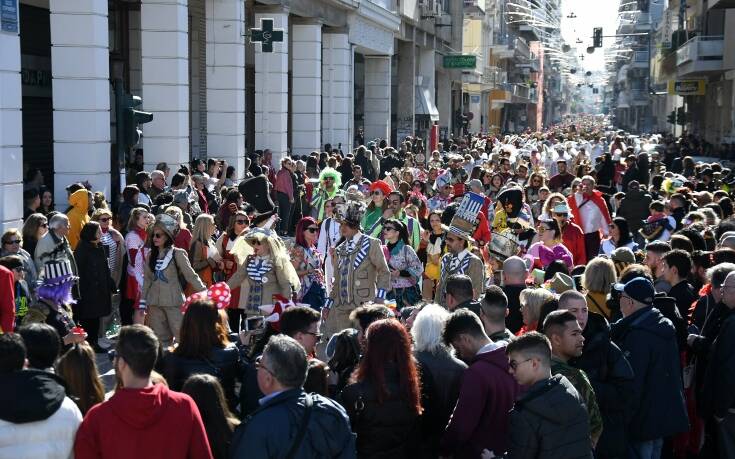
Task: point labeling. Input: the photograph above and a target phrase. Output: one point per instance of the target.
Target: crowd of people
(558, 294)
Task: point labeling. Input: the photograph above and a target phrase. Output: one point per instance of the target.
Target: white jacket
(51, 438)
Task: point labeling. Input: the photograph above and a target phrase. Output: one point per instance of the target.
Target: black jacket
(718, 395)
(384, 430)
(550, 421)
(612, 380)
(223, 363)
(514, 319)
(648, 341)
(271, 430)
(713, 315)
(634, 208)
(441, 379)
(95, 283)
(685, 295)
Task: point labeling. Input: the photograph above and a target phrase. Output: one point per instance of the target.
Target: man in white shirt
(591, 214)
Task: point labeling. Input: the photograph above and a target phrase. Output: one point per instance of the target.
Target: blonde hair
(134, 215)
(533, 298)
(549, 199)
(99, 212)
(599, 275)
(203, 226)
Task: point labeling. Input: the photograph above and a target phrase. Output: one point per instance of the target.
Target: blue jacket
(648, 341)
(271, 430)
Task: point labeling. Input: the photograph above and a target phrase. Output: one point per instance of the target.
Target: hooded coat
(149, 422)
(648, 340)
(550, 421)
(612, 380)
(480, 419)
(78, 217)
(37, 419)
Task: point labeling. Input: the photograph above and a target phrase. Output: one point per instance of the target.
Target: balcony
(521, 49)
(701, 55)
(639, 97)
(521, 93)
(639, 60)
(532, 65)
(501, 46)
(643, 22)
(721, 4)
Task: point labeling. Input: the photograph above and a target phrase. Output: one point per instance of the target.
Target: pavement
(107, 373)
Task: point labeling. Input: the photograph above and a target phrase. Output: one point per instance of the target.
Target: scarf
(162, 264)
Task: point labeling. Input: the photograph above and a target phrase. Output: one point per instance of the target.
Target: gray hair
(427, 329)
(58, 221)
(286, 360)
(717, 274)
(570, 295)
(157, 173)
(515, 265)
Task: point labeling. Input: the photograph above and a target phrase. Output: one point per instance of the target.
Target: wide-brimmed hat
(58, 272)
(168, 224)
(561, 282)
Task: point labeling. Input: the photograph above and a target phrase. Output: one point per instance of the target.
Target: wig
(56, 293)
(328, 172)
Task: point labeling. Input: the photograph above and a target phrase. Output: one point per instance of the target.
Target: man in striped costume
(360, 271)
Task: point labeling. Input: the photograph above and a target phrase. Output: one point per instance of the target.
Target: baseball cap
(561, 208)
(639, 288)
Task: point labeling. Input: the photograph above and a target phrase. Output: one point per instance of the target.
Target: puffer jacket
(37, 419)
(223, 363)
(270, 431)
(384, 430)
(612, 380)
(78, 217)
(549, 421)
(648, 341)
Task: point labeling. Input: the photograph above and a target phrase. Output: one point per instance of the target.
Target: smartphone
(254, 323)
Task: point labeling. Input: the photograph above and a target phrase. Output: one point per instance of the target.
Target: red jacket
(7, 300)
(482, 233)
(573, 238)
(151, 422)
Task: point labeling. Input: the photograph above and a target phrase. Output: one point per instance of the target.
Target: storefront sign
(687, 87)
(9, 16)
(460, 61)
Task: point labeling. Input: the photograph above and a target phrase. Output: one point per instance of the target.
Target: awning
(424, 105)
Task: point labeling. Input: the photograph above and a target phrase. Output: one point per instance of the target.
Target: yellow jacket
(79, 201)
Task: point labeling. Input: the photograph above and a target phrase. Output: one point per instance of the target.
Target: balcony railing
(700, 48)
(639, 97)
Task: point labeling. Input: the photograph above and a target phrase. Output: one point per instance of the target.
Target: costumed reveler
(405, 267)
(54, 302)
(330, 185)
(459, 259)
(166, 269)
(266, 270)
(361, 272)
(372, 221)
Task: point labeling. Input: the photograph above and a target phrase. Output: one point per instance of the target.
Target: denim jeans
(646, 449)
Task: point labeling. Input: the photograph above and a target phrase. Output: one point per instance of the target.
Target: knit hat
(168, 224)
(639, 288)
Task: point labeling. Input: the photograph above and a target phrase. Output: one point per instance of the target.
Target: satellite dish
(565, 48)
(590, 50)
(588, 73)
(573, 71)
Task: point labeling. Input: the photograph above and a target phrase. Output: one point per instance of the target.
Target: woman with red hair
(307, 262)
(383, 400)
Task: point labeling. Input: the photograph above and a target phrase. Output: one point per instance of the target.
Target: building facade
(336, 66)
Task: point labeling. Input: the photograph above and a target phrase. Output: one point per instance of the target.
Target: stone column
(444, 99)
(271, 89)
(226, 82)
(336, 102)
(377, 97)
(406, 89)
(11, 132)
(80, 62)
(306, 87)
(164, 33)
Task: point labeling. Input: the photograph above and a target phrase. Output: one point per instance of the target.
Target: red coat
(7, 300)
(573, 238)
(482, 233)
(151, 422)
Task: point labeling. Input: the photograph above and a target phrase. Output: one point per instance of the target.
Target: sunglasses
(377, 193)
(241, 222)
(104, 219)
(394, 201)
(158, 235)
(253, 242)
(311, 229)
(14, 241)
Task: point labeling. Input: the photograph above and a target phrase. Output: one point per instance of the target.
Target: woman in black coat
(95, 283)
